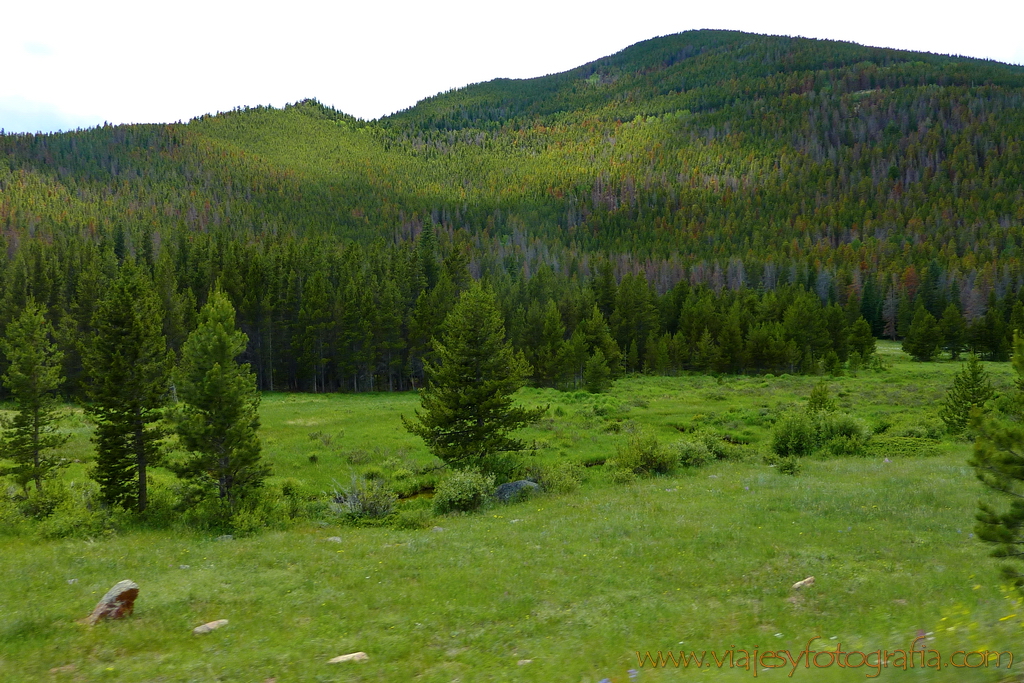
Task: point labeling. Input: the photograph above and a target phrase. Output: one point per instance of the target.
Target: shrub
(621, 476)
(693, 453)
(415, 518)
(902, 446)
(841, 435)
(463, 491)
(788, 465)
(77, 515)
(793, 435)
(642, 454)
(560, 477)
(364, 498)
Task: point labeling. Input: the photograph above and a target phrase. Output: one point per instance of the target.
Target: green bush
(365, 498)
(841, 435)
(414, 518)
(642, 454)
(463, 491)
(621, 476)
(793, 435)
(560, 477)
(78, 515)
(692, 453)
(788, 465)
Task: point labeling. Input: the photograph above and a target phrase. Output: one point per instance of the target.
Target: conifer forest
(710, 200)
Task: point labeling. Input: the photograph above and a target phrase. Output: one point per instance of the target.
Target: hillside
(732, 163)
(705, 144)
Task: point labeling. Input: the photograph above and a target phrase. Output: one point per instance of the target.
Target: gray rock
(209, 626)
(226, 537)
(515, 489)
(334, 539)
(438, 528)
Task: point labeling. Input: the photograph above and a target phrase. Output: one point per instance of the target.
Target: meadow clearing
(563, 587)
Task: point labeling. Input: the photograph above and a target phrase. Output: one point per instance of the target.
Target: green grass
(575, 583)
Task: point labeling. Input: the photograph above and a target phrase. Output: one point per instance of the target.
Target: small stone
(209, 626)
(117, 603)
(184, 566)
(72, 582)
(67, 668)
(226, 537)
(352, 657)
(515, 489)
(809, 581)
(524, 662)
(334, 539)
(438, 528)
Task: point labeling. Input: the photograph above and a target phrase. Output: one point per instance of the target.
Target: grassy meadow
(560, 587)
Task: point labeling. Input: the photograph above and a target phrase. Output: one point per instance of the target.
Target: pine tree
(971, 388)
(953, 329)
(597, 376)
(999, 465)
(33, 376)
(128, 366)
(862, 340)
(922, 339)
(218, 422)
(468, 413)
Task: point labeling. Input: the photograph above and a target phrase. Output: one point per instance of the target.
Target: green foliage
(365, 499)
(643, 454)
(999, 465)
(902, 447)
(971, 389)
(218, 420)
(558, 477)
(467, 408)
(597, 374)
(820, 400)
(924, 338)
(465, 490)
(33, 376)
(692, 452)
(840, 435)
(793, 435)
(128, 368)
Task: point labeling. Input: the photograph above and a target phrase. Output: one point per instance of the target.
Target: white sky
(71, 63)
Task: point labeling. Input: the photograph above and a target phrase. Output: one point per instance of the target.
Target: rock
(72, 582)
(118, 603)
(66, 669)
(524, 662)
(438, 528)
(184, 566)
(209, 626)
(353, 657)
(334, 539)
(226, 537)
(515, 489)
(809, 581)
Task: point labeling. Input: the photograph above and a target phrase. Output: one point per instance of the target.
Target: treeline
(328, 315)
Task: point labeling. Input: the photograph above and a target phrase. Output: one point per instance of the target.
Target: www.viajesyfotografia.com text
(873, 661)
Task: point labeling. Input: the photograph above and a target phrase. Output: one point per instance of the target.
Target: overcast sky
(77, 63)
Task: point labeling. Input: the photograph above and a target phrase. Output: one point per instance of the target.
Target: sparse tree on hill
(468, 413)
(33, 377)
(128, 366)
(953, 329)
(597, 376)
(218, 422)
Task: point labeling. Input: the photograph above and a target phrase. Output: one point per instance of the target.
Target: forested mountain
(874, 179)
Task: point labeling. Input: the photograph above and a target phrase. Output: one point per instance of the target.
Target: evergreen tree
(597, 376)
(33, 376)
(128, 366)
(999, 465)
(218, 422)
(861, 339)
(953, 329)
(971, 388)
(468, 410)
(922, 340)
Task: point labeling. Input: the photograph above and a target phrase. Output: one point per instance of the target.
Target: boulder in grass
(209, 626)
(809, 581)
(515, 490)
(352, 657)
(118, 603)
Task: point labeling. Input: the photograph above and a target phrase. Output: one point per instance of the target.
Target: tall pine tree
(468, 411)
(218, 422)
(128, 366)
(33, 376)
